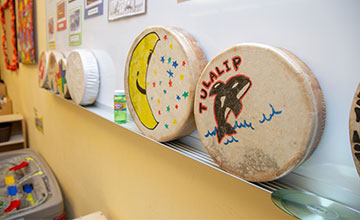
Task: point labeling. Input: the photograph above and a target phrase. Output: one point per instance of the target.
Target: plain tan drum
(83, 76)
(162, 69)
(259, 111)
(355, 129)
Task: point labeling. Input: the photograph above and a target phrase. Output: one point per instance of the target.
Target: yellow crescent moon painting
(162, 67)
(137, 79)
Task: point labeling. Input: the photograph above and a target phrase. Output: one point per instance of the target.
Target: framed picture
(25, 31)
(124, 8)
(51, 31)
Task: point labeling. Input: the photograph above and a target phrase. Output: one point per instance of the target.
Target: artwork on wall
(51, 32)
(75, 26)
(61, 15)
(124, 8)
(93, 8)
(13, 65)
(25, 32)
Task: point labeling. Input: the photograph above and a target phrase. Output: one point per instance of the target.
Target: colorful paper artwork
(61, 15)
(13, 64)
(75, 26)
(51, 32)
(25, 32)
(93, 8)
(122, 8)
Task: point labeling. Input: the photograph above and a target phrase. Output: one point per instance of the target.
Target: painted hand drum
(259, 111)
(54, 59)
(61, 79)
(355, 128)
(161, 72)
(43, 69)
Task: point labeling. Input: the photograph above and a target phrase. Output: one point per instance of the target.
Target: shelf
(14, 139)
(11, 118)
(191, 146)
(17, 134)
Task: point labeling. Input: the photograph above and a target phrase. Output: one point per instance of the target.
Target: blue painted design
(229, 141)
(12, 190)
(171, 74)
(213, 133)
(175, 64)
(274, 112)
(165, 91)
(162, 59)
(243, 125)
(178, 97)
(27, 188)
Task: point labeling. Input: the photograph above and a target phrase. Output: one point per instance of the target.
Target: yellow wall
(102, 166)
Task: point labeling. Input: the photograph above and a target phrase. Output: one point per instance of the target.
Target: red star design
(183, 63)
(154, 84)
(170, 83)
(159, 112)
(176, 106)
(165, 37)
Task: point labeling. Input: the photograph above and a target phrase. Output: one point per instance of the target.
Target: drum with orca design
(259, 111)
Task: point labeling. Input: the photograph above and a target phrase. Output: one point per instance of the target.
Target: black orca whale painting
(228, 99)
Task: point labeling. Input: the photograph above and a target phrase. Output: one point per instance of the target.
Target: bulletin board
(324, 34)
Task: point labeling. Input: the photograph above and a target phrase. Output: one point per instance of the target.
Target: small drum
(54, 59)
(61, 79)
(259, 111)
(43, 69)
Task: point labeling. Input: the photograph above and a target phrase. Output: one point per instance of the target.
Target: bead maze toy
(28, 189)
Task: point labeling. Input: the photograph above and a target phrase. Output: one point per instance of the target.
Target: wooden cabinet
(17, 133)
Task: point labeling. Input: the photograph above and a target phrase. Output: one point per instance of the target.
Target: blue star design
(162, 59)
(165, 91)
(178, 98)
(175, 64)
(171, 74)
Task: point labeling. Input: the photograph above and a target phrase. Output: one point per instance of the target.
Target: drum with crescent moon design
(161, 72)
